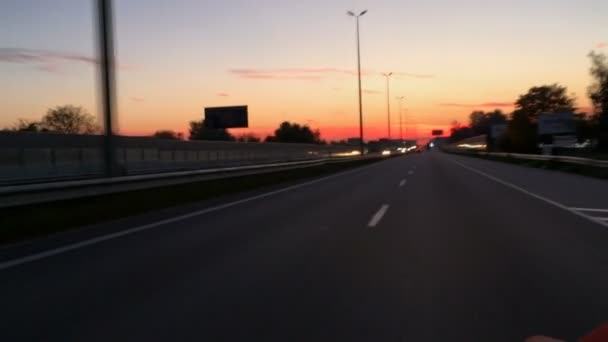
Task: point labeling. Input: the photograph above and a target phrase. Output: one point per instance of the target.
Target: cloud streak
(601, 45)
(47, 61)
(484, 105)
(412, 75)
(310, 74)
(223, 94)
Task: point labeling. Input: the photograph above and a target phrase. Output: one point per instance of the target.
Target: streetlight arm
(352, 14)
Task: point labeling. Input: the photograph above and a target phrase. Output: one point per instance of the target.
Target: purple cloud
(47, 61)
(601, 45)
(280, 74)
(311, 74)
(222, 94)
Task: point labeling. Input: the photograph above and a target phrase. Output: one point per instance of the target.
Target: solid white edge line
(402, 183)
(93, 241)
(539, 197)
(591, 210)
(378, 216)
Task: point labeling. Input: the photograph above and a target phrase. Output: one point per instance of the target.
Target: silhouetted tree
(198, 131)
(521, 134)
(69, 120)
(248, 137)
(544, 99)
(295, 133)
(598, 92)
(459, 132)
(482, 122)
(167, 134)
(477, 120)
(522, 129)
(24, 125)
(586, 127)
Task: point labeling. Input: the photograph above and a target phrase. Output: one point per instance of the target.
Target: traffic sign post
(556, 130)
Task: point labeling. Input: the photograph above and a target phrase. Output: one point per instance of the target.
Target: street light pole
(357, 16)
(400, 98)
(108, 86)
(388, 102)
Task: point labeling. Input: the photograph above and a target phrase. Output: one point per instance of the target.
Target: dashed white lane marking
(378, 216)
(539, 197)
(411, 172)
(593, 210)
(94, 241)
(402, 183)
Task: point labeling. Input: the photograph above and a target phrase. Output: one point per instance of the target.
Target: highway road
(429, 247)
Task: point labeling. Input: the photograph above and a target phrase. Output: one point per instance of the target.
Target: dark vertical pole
(388, 105)
(400, 121)
(361, 146)
(107, 68)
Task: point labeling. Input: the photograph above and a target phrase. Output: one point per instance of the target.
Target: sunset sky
(296, 60)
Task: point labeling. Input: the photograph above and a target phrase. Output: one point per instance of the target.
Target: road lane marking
(591, 210)
(410, 172)
(602, 218)
(74, 246)
(539, 197)
(402, 183)
(378, 216)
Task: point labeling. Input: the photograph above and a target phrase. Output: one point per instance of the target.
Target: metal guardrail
(38, 157)
(16, 195)
(61, 185)
(563, 159)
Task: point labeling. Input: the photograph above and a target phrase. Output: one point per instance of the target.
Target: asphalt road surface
(431, 247)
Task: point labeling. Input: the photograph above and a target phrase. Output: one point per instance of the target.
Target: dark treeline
(287, 132)
(522, 123)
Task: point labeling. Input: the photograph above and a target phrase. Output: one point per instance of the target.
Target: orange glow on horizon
(410, 132)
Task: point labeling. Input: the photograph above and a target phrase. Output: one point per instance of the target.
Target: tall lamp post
(388, 102)
(400, 98)
(357, 16)
(108, 86)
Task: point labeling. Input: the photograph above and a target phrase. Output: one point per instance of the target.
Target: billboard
(498, 131)
(226, 117)
(556, 123)
(437, 132)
